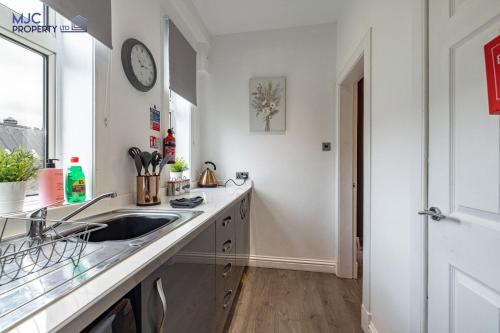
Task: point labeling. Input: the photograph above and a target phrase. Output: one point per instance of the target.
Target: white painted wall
(125, 108)
(128, 121)
(292, 214)
(292, 207)
(397, 48)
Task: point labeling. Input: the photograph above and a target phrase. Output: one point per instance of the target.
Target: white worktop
(77, 309)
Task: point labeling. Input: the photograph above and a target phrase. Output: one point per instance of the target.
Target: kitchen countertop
(74, 311)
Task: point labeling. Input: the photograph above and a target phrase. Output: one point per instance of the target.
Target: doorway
(353, 204)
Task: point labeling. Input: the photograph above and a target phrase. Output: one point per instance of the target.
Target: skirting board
(366, 319)
(371, 328)
(309, 265)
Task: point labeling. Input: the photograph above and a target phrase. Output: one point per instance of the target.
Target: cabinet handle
(243, 212)
(228, 294)
(159, 289)
(226, 221)
(227, 269)
(226, 246)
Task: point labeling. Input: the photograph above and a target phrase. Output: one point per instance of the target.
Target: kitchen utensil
(138, 164)
(163, 162)
(207, 178)
(155, 161)
(132, 151)
(146, 161)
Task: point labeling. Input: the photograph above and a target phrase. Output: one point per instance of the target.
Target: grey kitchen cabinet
(188, 283)
(190, 276)
(226, 280)
(242, 226)
(196, 288)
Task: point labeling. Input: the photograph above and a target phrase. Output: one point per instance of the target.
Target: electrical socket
(242, 175)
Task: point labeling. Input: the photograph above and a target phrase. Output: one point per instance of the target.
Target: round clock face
(142, 64)
(138, 64)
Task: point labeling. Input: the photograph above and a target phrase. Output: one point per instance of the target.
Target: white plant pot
(176, 175)
(12, 197)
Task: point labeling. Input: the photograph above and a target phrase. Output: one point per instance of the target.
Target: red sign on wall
(492, 56)
(154, 142)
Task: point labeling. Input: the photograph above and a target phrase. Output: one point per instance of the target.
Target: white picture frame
(267, 105)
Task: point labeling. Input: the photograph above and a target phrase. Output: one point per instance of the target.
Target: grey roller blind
(182, 64)
(96, 14)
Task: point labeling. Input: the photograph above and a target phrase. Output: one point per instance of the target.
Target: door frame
(419, 240)
(344, 226)
(358, 66)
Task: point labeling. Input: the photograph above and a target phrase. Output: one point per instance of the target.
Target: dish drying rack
(23, 255)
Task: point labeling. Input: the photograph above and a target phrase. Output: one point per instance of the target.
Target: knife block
(148, 190)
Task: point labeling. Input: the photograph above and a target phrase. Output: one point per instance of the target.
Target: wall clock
(138, 64)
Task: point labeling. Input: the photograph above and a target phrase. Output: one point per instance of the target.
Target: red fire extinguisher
(169, 146)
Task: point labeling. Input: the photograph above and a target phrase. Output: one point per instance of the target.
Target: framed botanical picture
(268, 104)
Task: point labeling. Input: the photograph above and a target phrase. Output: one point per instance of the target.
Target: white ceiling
(233, 16)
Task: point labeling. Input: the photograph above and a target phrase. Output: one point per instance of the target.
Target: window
(29, 116)
(22, 106)
(180, 120)
(180, 68)
(27, 82)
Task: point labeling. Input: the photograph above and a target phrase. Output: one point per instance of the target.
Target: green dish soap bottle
(75, 182)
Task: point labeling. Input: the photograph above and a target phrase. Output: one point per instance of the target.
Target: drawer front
(227, 274)
(226, 255)
(225, 231)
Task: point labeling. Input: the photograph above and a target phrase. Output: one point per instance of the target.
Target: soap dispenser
(51, 181)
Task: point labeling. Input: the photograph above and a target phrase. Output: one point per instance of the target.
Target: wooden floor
(282, 301)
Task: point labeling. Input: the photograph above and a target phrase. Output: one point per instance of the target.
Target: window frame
(175, 114)
(171, 110)
(44, 44)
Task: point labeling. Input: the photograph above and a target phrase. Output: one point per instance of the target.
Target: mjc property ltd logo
(34, 23)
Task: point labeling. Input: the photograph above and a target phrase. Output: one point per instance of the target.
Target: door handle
(226, 246)
(434, 213)
(227, 297)
(159, 289)
(226, 221)
(228, 268)
(243, 212)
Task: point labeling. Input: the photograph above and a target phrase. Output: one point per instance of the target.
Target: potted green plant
(16, 169)
(177, 169)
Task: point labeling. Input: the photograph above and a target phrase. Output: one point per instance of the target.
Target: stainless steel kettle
(207, 177)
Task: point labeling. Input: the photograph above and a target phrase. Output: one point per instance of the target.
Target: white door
(464, 170)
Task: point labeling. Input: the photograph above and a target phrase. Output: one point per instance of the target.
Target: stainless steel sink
(130, 224)
(128, 231)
